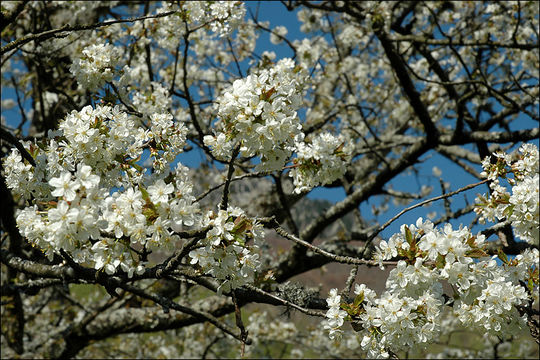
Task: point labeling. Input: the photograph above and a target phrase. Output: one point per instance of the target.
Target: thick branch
(407, 85)
(10, 18)
(371, 186)
(33, 268)
(454, 42)
(492, 137)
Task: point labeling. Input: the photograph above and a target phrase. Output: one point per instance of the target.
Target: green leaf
(240, 240)
(408, 235)
(145, 195)
(146, 198)
(267, 94)
(476, 253)
(359, 299)
(440, 262)
(470, 241)
(241, 224)
(509, 210)
(502, 256)
(137, 166)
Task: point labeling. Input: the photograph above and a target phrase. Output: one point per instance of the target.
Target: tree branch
(66, 28)
(422, 203)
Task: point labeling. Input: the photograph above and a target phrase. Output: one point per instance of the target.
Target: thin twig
(336, 258)
(177, 258)
(285, 302)
(285, 204)
(31, 285)
(348, 284)
(19, 104)
(51, 33)
(230, 171)
(10, 138)
(131, 109)
(167, 303)
(248, 175)
(444, 196)
(239, 323)
(112, 283)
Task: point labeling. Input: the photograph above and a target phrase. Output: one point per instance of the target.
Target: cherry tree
(116, 243)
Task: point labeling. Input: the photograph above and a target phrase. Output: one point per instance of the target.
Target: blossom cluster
(520, 206)
(335, 316)
(258, 113)
(226, 251)
(223, 16)
(167, 140)
(219, 18)
(104, 138)
(321, 162)
(227, 15)
(21, 175)
(485, 295)
(155, 100)
(93, 199)
(96, 65)
(92, 196)
(277, 35)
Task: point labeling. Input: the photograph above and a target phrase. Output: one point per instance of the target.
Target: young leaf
(502, 256)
